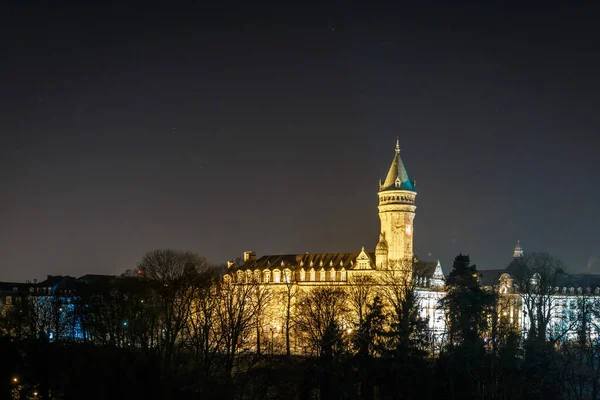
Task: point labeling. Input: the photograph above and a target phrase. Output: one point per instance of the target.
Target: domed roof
(518, 252)
(382, 246)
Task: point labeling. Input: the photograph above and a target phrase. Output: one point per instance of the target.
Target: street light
(15, 380)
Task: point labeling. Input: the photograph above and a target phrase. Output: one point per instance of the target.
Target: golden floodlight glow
(408, 229)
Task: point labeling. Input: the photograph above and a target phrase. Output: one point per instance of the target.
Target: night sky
(267, 127)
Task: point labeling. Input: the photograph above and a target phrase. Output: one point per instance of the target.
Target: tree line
(183, 332)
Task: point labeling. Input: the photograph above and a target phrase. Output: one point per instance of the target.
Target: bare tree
(203, 336)
(579, 358)
(172, 273)
(289, 295)
(49, 315)
(536, 276)
(236, 316)
(320, 316)
(408, 329)
(361, 289)
(261, 297)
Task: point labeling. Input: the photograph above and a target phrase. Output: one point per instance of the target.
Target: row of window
(397, 198)
(276, 276)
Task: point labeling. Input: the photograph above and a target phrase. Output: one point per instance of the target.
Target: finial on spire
(397, 145)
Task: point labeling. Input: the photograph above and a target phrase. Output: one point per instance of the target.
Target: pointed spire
(397, 178)
(438, 278)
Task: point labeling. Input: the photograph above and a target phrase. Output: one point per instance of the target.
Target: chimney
(249, 256)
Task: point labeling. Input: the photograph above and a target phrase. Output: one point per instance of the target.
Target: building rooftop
(306, 261)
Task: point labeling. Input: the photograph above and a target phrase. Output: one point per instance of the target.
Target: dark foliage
(386, 355)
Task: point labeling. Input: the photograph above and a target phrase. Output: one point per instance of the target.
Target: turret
(396, 213)
(381, 252)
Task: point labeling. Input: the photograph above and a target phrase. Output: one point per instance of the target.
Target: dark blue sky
(267, 127)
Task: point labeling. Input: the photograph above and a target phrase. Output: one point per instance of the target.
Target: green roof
(397, 177)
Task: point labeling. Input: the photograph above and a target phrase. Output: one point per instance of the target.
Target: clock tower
(396, 213)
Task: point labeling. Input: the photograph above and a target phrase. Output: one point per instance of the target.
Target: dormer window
(266, 276)
(397, 183)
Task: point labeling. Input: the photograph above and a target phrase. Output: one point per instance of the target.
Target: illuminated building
(393, 255)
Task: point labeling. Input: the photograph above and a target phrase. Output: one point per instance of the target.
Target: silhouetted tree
(467, 305)
(321, 318)
(236, 315)
(171, 273)
(468, 310)
(408, 340)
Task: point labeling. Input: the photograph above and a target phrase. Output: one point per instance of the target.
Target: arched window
(312, 274)
(266, 276)
(322, 275)
(332, 274)
(276, 276)
(343, 275)
(287, 275)
(240, 277)
(302, 275)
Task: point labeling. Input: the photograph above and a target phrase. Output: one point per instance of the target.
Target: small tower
(381, 252)
(396, 213)
(518, 252)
